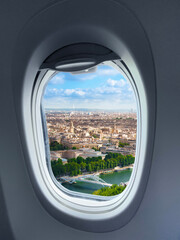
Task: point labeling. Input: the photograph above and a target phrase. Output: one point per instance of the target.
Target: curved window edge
(41, 141)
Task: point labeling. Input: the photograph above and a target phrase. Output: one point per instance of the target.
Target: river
(113, 178)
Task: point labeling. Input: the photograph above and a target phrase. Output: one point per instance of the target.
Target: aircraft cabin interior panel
(89, 123)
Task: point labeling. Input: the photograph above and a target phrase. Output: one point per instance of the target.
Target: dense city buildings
(91, 134)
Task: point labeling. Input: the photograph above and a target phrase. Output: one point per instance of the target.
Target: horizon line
(87, 109)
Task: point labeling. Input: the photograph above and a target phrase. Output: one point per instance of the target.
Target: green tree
(75, 166)
(121, 144)
(110, 191)
(55, 146)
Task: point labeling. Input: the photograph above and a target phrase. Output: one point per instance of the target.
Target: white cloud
(53, 91)
(99, 92)
(57, 79)
(99, 72)
(111, 96)
(107, 90)
(116, 83)
(107, 72)
(78, 92)
(69, 91)
(130, 89)
(109, 102)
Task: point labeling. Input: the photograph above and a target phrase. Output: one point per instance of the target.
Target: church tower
(114, 129)
(71, 127)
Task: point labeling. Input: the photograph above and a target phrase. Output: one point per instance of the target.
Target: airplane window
(86, 106)
(90, 121)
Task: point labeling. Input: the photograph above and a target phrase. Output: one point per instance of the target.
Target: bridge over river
(85, 178)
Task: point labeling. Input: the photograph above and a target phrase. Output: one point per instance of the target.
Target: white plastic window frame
(42, 143)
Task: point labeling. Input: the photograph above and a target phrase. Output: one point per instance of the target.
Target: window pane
(92, 122)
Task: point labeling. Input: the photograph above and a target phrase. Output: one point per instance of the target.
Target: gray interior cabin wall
(158, 216)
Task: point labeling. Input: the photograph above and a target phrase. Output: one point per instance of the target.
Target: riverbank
(104, 171)
(116, 177)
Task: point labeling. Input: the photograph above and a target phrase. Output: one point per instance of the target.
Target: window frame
(86, 201)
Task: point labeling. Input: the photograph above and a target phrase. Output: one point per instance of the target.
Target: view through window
(92, 122)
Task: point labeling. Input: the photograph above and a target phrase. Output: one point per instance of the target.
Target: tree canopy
(55, 146)
(123, 144)
(110, 191)
(75, 166)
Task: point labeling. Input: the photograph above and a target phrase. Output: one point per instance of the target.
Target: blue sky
(104, 89)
